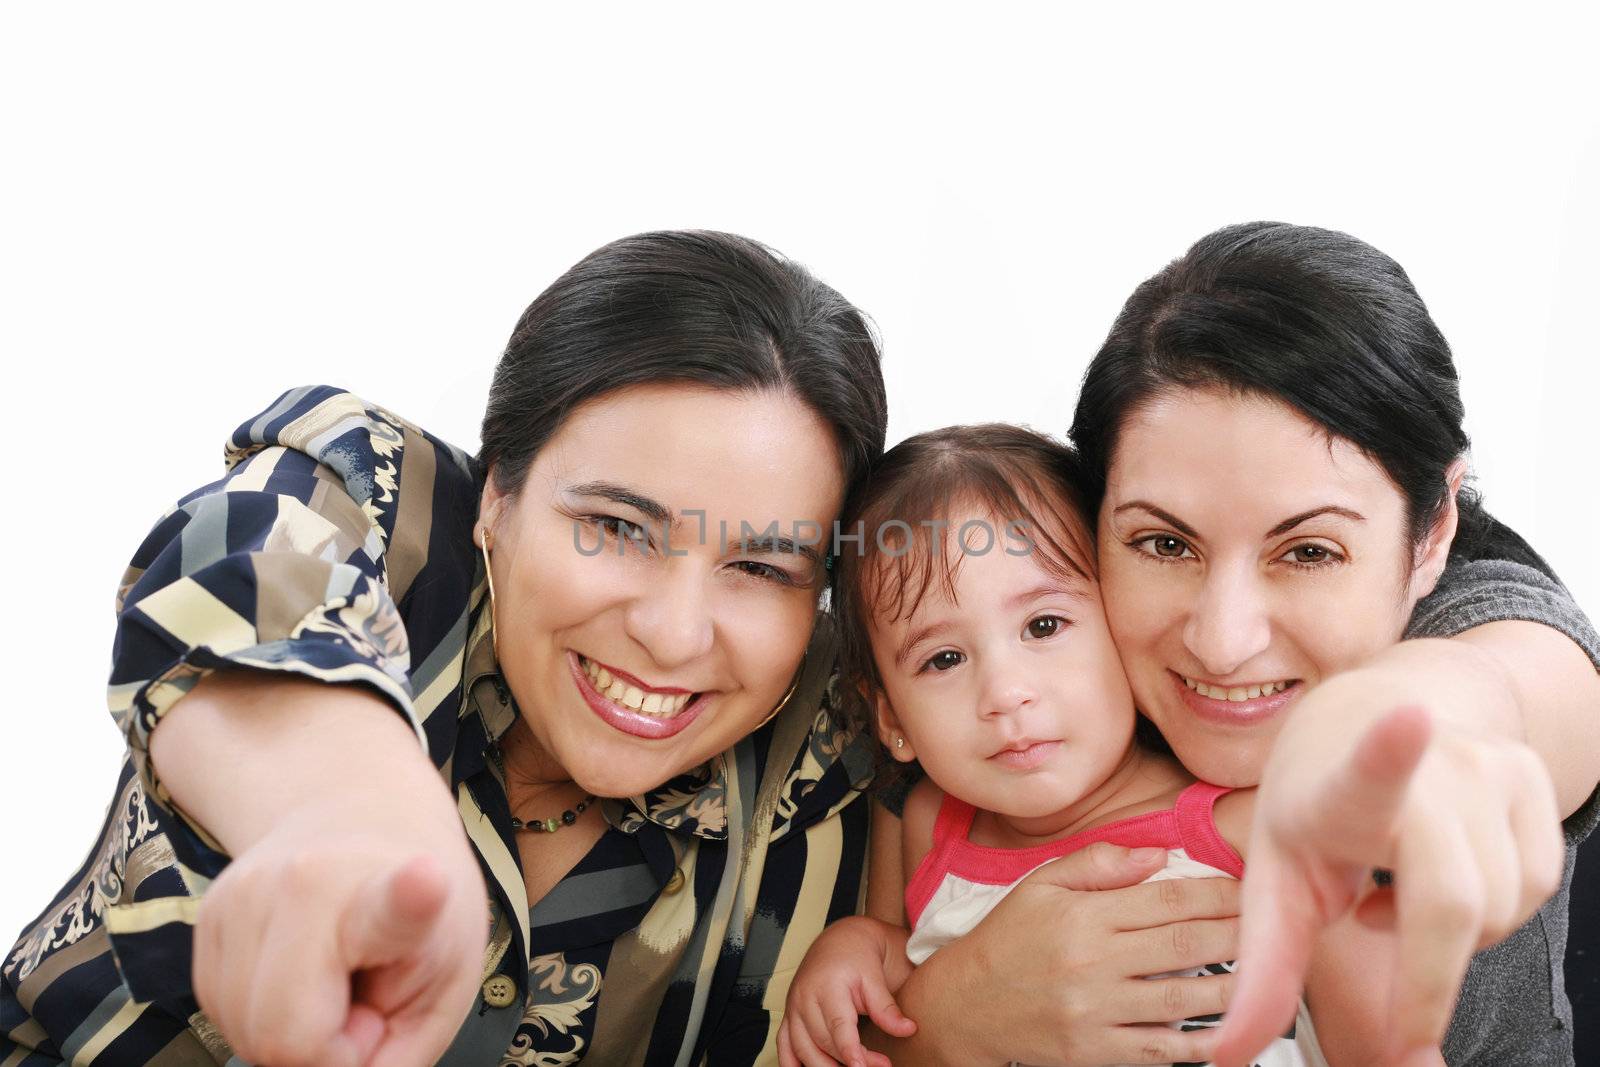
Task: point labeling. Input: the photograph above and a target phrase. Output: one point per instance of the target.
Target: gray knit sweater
(1513, 1009)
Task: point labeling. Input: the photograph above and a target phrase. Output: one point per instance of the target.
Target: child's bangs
(895, 542)
(922, 538)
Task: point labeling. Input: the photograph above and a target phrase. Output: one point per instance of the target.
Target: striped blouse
(338, 546)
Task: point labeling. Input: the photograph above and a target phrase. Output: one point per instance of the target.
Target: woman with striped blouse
(525, 757)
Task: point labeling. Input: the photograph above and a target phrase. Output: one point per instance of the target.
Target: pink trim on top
(1198, 828)
(949, 832)
(1188, 825)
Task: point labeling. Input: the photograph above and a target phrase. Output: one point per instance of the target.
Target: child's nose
(1006, 695)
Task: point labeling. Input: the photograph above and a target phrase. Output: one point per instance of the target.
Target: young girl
(973, 629)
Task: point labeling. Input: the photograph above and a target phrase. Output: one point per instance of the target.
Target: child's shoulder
(1160, 781)
(918, 818)
(1168, 781)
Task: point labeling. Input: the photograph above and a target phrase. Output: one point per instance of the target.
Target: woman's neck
(533, 777)
(1141, 781)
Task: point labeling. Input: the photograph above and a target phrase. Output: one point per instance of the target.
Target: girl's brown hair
(888, 557)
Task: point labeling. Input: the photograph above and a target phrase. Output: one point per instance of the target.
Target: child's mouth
(1025, 755)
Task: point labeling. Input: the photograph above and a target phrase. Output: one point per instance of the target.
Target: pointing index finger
(408, 900)
(1356, 806)
(1277, 930)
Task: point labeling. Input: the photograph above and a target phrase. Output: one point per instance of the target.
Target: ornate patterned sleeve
(288, 563)
(337, 547)
(276, 567)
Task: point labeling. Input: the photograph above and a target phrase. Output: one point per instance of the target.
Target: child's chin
(1032, 811)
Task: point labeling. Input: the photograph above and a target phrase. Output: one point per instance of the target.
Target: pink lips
(1028, 756)
(1235, 714)
(625, 719)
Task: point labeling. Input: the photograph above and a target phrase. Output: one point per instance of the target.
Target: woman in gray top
(1275, 424)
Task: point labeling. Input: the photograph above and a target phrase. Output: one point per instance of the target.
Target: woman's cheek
(766, 633)
(1337, 630)
(1138, 611)
(575, 594)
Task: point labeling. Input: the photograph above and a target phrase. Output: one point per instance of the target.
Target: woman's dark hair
(891, 561)
(1317, 319)
(695, 307)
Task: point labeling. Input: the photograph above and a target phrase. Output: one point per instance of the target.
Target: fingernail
(1146, 855)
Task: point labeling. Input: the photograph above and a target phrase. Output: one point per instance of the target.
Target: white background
(206, 204)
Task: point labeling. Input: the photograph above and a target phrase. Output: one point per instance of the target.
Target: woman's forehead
(748, 454)
(1246, 456)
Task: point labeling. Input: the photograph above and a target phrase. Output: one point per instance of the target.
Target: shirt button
(499, 992)
(674, 883)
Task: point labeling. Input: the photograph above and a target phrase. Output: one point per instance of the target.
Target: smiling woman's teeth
(661, 705)
(1236, 693)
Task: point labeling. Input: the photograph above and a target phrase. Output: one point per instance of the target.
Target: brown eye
(1310, 554)
(1166, 545)
(623, 529)
(765, 572)
(943, 661)
(1163, 546)
(1045, 626)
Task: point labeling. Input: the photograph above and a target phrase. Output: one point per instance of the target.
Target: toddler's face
(1010, 692)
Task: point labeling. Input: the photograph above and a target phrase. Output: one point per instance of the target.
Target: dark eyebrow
(916, 637)
(784, 545)
(656, 511)
(1327, 509)
(1165, 516)
(1282, 528)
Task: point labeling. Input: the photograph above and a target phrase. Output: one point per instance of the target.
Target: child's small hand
(852, 970)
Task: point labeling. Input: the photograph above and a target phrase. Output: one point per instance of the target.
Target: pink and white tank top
(960, 882)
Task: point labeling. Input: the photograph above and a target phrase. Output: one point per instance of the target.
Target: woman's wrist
(1503, 682)
(1463, 689)
(246, 756)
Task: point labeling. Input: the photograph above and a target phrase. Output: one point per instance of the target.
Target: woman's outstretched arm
(350, 925)
(1503, 716)
(263, 676)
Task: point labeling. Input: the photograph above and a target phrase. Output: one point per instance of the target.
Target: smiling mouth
(625, 691)
(1237, 694)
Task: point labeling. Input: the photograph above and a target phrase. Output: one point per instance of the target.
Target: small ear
(889, 732)
(1434, 553)
(490, 505)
